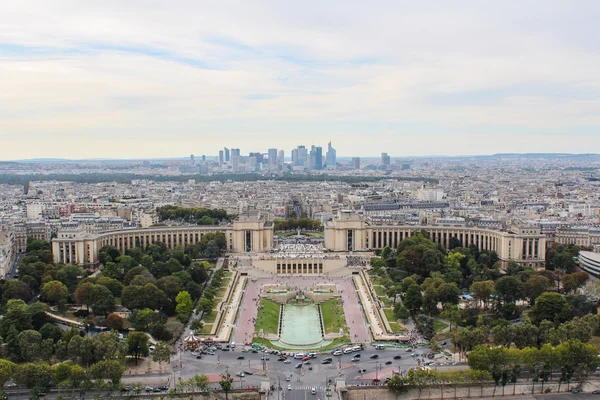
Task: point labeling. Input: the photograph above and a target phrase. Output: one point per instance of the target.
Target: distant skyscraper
(319, 158)
(235, 152)
(192, 158)
(385, 160)
(294, 156)
(316, 158)
(331, 158)
(235, 162)
(203, 158)
(280, 157)
(221, 159)
(258, 156)
(301, 155)
(272, 156)
(355, 162)
(226, 153)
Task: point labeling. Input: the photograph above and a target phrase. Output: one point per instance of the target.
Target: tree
(426, 326)
(29, 343)
(107, 369)
(56, 292)
(50, 331)
(101, 300)
(212, 250)
(552, 307)
(137, 344)
(184, 304)
(7, 371)
(162, 353)
(196, 325)
(401, 312)
(82, 294)
(114, 321)
(509, 289)
(398, 384)
(482, 291)
(413, 298)
(226, 384)
(34, 376)
(568, 283)
(205, 305)
(452, 315)
(14, 289)
(535, 286)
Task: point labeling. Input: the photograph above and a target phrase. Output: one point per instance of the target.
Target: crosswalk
(318, 388)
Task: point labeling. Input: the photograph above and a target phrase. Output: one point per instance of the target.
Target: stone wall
(448, 392)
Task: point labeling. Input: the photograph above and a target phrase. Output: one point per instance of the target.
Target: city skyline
(131, 81)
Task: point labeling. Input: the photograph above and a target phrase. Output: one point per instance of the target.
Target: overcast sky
(137, 79)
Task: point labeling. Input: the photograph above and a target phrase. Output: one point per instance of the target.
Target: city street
(299, 378)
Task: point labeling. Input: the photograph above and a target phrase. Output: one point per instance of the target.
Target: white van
(379, 347)
(299, 356)
(356, 348)
(312, 355)
(347, 350)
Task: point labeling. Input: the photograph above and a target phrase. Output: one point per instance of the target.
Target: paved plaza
(255, 288)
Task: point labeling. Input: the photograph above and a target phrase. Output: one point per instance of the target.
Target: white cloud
(93, 79)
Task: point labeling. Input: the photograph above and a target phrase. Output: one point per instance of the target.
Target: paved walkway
(244, 328)
(352, 310)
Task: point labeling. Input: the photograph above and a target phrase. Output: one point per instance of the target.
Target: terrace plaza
(301, 281)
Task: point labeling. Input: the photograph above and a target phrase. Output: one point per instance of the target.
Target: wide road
(288, 374)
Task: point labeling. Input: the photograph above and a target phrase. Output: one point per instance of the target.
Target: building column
(527, 249)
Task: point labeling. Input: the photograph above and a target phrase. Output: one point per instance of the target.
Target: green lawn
(228, 274)
(268, 317)
(380, 290)
(333, 316)
(221, 293)
(397, 328)
(387, 302)
(207, 328)
(210, 317)
(375, 280)
(439, 326)
(389, 313)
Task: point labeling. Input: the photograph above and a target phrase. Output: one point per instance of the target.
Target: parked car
(287, 361)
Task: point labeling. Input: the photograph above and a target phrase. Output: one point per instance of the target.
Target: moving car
(388, 363)
(313, 391)
(337, 353)
(326, 362)
(289, 387)
(375, 356)
(241, 357)
(287, 361)
(248, 372)
(397, 357)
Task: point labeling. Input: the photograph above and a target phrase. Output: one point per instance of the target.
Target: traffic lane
(223, 361)
(302, 394)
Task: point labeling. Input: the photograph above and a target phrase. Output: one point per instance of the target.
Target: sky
(142, 79)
